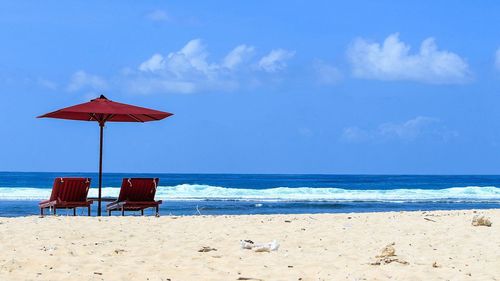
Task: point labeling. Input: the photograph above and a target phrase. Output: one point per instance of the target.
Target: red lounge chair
(136, 194)
(68, 193)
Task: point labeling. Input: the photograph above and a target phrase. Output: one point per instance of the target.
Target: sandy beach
(441, 245)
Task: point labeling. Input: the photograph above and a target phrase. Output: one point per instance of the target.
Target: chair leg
(142, 212)
(41, 212)
(123, 211)
(54, 211)
(74, 211)
(109, 212)
(88, 210)
(157, 210)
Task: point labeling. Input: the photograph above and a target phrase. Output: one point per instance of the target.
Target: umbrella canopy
(102, 110)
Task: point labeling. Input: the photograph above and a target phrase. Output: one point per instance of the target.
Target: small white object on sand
(259, 247)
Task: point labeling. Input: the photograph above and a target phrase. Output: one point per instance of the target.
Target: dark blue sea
(229, 194)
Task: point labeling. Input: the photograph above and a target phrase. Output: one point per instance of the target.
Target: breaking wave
(208, 192)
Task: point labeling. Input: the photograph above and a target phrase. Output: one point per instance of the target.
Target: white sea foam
(207, 192)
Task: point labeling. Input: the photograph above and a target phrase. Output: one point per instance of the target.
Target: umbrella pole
(101, 125)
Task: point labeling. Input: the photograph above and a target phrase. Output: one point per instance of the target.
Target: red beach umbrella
(102, 110)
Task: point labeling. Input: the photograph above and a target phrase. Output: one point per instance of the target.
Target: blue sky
(374, 87)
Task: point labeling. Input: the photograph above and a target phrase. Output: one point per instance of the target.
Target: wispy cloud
(276, 60)
(327, 74)
(305, 132)
(411, 130)
(355, 134)
(497, 59)
(392, 60)
(158, 15)
(82, 80)
(51, 85)
(146, 85)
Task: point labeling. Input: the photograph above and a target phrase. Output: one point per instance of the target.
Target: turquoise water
(187, 194)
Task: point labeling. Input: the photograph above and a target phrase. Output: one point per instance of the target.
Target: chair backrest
(138, 189)
(70, 189)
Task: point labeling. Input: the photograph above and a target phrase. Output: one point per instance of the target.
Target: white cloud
(82, 80)
(156, 62)
(191, 59)
(411, 130)
(497, 59)
(237, 56)
(275, 60)
(189, 70)
(158, 15)
(392, 60)
(327, 74)
(185, 71)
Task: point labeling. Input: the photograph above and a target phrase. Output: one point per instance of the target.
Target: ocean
(230, 194)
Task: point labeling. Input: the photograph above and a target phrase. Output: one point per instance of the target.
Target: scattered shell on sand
(388, 251)
(119, 251)
(481, 220)
(388, 261)
(206, 249)
(388, 255)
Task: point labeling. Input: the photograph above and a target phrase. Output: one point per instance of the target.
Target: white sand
(313, 247)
